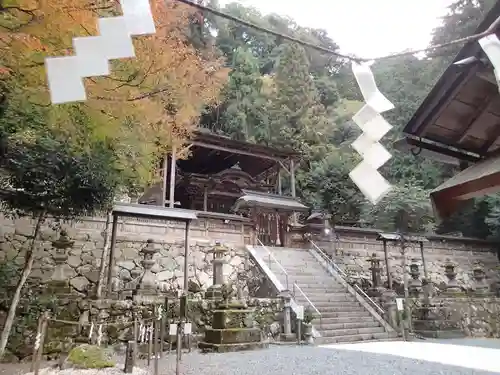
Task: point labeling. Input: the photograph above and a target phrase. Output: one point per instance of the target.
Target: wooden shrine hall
(459, 123)
(228, 177)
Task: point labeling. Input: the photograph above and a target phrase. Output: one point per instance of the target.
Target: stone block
(227, 348)
(232, 335)
(227, 319)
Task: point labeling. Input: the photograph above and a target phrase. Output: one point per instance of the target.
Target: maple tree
(145, 105)
(69, 159)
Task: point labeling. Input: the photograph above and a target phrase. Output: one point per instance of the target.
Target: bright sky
(367, 28)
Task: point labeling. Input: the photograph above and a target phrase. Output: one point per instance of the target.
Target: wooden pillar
(186, 258)
(292, 182)
(387, 266)
(163, 199)
(292, 177)
(111, 261)
(280, 188)
(205, 199)
(173, 162)
(423, 260)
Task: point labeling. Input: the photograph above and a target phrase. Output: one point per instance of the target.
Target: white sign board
(172, 329)
(400, 304)
(300, 312)
(187, 328)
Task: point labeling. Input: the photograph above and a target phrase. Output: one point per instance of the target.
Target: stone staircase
(344, 318)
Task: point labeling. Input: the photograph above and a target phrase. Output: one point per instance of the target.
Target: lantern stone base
(232, 330)
(214, 293)
(288, 337)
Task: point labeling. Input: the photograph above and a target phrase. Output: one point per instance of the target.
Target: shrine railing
(295, 287)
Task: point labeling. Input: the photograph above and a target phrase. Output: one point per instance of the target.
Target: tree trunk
(28, 265)
(104, 256)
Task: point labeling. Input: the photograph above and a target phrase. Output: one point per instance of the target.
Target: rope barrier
(91, 324)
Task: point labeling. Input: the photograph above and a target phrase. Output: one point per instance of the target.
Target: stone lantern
(214, 291)
(480, 285)
(415, 286)
(451, 274)
(147, 284)
(59, 281)
(376, 290)
(286, 299)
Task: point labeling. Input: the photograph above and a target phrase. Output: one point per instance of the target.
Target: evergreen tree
(244, 115)
(296, 113)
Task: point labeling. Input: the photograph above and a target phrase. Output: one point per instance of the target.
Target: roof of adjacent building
(461, 115)
(269, 201)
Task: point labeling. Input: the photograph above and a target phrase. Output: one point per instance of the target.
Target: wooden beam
(488, 77)
(445, 98)
(284, 167)
(474, 119)
(235, 151)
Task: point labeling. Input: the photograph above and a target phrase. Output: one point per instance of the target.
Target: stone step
(365, 320)
(307, 289)
(360, 313)
(327, 298)
(346, 304)
(339, 309)
(325, 326)
(349, 332)
(354, 338)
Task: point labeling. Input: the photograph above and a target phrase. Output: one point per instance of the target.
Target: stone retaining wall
(356, 245)
(467, 315)
(82, 266)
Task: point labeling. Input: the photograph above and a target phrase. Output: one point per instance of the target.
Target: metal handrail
(295, 285)
(345, 277)
(271, 255)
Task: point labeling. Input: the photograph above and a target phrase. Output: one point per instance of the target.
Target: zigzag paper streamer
(365, 175)
(491, 47)
(93, 53)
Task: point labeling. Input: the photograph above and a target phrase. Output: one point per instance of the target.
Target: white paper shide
(93, 53)
(369, 119)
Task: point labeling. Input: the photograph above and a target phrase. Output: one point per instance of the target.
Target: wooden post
(130, 357)
(112, 254)
(423, 260)
(149, 332)
(280, 187)
(156, 334)
(163, 199)
(186, 255)
(40, 340)
(292, 182)
(205, 199)
(387, 266)
(292, 177)
(172, 179)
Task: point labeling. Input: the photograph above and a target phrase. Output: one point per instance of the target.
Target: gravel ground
(296, 361)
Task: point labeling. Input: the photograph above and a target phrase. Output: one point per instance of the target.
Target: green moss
(89, 356)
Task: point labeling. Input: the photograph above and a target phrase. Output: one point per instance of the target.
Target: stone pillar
(449, 271)
(214, 291)
(59, 281)
(480, 286)
(415, 286)
(388, 299)
(376, 290)
(286, 299)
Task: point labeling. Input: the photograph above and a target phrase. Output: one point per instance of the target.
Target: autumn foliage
(145, 105)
